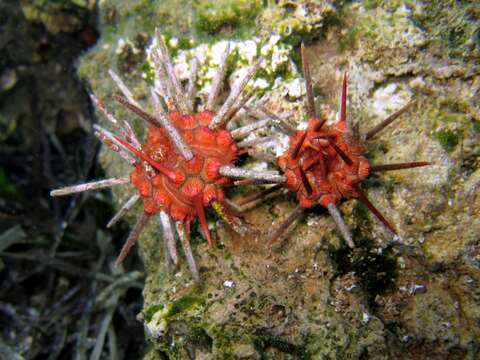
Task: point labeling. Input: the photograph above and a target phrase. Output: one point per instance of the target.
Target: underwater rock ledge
(310, 296)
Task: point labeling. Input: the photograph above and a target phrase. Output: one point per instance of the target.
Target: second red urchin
(325, 164)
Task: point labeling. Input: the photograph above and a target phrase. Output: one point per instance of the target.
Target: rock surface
(415, 296)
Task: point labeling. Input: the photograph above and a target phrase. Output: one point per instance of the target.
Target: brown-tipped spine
(400, 166)
(308, 83)
(132, 237)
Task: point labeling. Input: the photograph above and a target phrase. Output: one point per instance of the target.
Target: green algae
(449, 116)
(452, 23)
(448, 139)
(349, 40)
(226, 17)
(299, 21)
(186, 303)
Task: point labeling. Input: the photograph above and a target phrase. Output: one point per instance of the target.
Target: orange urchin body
(196, 182)
(316, 171)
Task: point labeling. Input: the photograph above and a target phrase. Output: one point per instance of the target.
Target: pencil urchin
(187, 158)
(324, 164)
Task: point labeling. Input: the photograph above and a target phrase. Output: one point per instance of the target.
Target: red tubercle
(212, 169)
(145, 188)
(157, 181)
(179, 178)
(186, 122)
(192, 187)
(150, 206)
(162, 198)
(175, 118)
(204, 118)
(135, 176)
(180, 213)
(224, 138)
(193, 166)
(205, 136)
(211, 194)
(157, 135)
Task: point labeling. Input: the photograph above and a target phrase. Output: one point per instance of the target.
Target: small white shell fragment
(229, 284)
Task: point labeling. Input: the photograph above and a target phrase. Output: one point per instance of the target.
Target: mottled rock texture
(309, 296)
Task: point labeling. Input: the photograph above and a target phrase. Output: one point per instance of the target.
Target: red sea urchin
(187, 158)
(325, 163)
